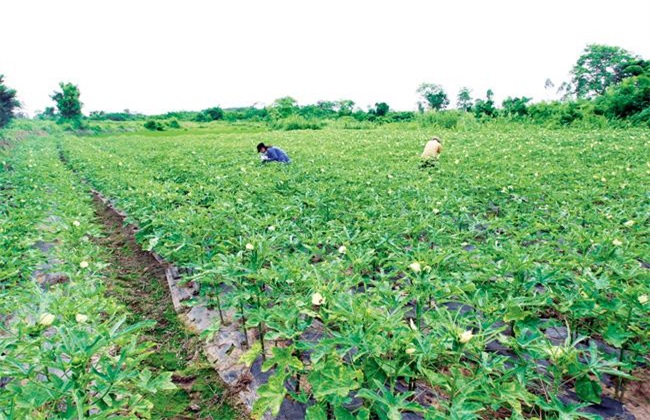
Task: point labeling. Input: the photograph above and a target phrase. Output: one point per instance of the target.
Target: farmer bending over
(432, 149)
(272, 154)
(431, 152)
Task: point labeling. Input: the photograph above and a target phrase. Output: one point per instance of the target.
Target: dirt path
(138, 280)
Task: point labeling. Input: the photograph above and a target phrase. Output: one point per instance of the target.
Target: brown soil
(138, 280)
(637, 394)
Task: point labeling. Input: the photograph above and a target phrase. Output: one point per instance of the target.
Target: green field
(511, 273)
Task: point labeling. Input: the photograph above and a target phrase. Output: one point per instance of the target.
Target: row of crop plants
(66, 350)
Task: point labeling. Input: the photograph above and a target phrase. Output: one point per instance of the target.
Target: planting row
(66, 350)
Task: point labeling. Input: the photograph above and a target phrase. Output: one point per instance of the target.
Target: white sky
(159, 56)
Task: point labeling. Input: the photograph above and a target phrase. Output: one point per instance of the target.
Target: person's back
(432, 149)
(277, 155)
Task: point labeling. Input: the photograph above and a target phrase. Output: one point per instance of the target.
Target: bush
(296, 122)
(154, 125)
(173, 124)
(630, 97)
(210, 114)
(444, 119)
(642, 118)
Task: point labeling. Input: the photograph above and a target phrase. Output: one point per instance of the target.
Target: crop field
(509, 281)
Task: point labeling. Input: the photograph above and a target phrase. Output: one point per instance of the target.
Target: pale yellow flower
(81, 318)
(83, 264)
(271, 228)
(250, 247)
(342, 249)
(629, 223)
(46, 319)
(76, 223)
(410, 350)
(416, 267)
(643, 299)
(465, 336)
(317, 299)
(616, 242)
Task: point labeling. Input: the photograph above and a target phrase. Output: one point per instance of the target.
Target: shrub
(173, 124)
(154, 125)
(443, 119)
(296, 122)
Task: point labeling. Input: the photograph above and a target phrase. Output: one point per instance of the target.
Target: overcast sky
(159, 56)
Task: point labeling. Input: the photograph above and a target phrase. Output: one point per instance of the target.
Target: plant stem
(243, 324)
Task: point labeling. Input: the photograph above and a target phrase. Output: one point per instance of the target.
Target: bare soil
(138, 280)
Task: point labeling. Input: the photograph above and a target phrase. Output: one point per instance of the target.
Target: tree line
(607, 83)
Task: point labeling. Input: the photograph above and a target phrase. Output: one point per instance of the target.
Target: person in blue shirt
(272, 154)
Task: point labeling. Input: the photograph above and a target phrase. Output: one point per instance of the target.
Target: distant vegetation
(608, 86)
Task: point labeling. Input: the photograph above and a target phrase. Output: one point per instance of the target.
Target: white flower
(629, 223)
(46, 319)
(616, 242)
(271, 228)
(81, 318)
(250, 247)
(317, 299)
(643, 299)
(342, 249)
(410, 350)
(415, 267)
(83, 264)
(465, 336)
(76, 223)
(435, 211)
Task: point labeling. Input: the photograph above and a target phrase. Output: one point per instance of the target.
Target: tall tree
(381, 109)
(485, 107)
(67, 101)
(283, 107)
(8, 103)
(434, 96)
(344, 107)
(464, 99)
(599, 67)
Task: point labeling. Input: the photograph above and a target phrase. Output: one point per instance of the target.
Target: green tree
(210, 114)
(599, 67)
(67, 102)
(8, 103)
(485, 107)
(515, 107)
(283, 107)
(464, 99)
(344, 107)
(626, 99)
(434, 96)
(381, 109)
